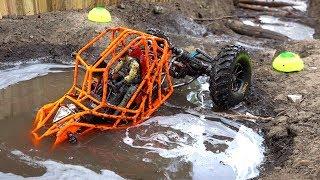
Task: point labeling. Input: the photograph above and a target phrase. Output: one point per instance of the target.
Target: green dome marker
(288, 62)
(99, 14)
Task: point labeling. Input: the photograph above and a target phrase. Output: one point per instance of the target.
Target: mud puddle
(289, 27)
(172, 144)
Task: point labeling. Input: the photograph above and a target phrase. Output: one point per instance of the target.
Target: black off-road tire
(228, 85)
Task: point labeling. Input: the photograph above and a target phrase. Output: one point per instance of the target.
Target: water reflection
(169, 145)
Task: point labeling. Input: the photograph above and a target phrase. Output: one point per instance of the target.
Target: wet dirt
(314, 13)
(294, 133)
(176, 143)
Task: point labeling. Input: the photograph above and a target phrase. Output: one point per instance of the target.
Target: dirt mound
(52, 35)
(56, 35)
(293, 136)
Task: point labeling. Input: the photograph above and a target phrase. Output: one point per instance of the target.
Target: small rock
(146, 160)
(7, 39)
(278, 168)
(281, 98)
(295, 129)
(157, 10)
(189, 48)
(121, 6)
(313, 68)
(280, 110)
(281, 119)
(296, 151)
(303, 115)
(278, 131)
(315, 102)
(300, 163)
(304, 92)
(296, 98)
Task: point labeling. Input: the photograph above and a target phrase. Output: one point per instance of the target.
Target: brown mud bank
(292, 137)
(56, 35)
(314, 12)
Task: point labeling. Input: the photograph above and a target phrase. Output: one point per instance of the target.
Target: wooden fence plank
(42, 5)
(28, 7)
(110, 2)
(49, 5)
(92, 3)
(12, 7)
(68, 4)
(20, 8)
(57, 5)
(89, 3)
(100, 3)
(79, 4)
(73, 4)
(36, 7)
(3, 7)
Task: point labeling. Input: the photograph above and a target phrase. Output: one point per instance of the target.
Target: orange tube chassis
(153, 90)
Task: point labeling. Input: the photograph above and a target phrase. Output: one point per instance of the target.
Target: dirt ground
(314, 13)
(292, 138)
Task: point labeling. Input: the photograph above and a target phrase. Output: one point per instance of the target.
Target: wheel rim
(238, 80)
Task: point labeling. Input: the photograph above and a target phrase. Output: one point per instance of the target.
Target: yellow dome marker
(288, 62)
(99, 14)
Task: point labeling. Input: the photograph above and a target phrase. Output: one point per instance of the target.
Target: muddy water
(172, 144)
(289, 27)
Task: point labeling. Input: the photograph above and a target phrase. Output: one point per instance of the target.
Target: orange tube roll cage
(152, 91)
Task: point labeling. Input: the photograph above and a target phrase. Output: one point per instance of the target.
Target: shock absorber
(190, 64)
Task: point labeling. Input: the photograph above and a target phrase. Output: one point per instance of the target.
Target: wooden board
(28, 7)
(57, 5)
(89, 3)
(20, 9)
(100, 3)
(42, 5)
(12, 7)
(3, 7)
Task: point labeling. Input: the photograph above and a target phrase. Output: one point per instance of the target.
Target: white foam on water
(240, 160)
(298, 4)
(26, 72)
(9, 176)
(24, 62)
(245, 160)
(56, 170)
(200, 93)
